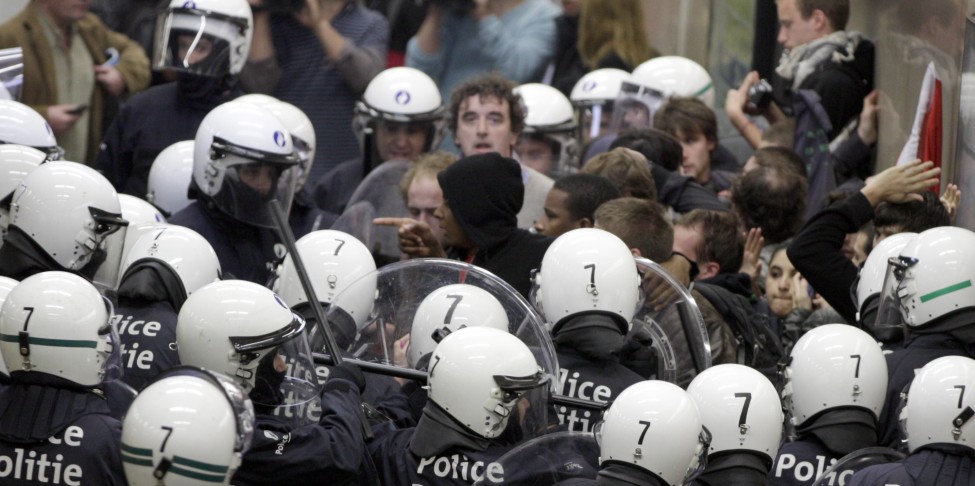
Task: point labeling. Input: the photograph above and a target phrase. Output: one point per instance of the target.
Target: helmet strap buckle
(160, 471)
(961, 420)
(23, 340)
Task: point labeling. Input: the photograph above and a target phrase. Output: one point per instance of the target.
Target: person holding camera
(318, 55)
(461, 38)
(819, 55)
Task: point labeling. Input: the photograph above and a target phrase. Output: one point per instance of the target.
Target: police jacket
(53, 431)
(244, 251)
(931, 465)
(329, 452)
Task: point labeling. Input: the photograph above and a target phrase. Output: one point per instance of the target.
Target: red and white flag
(926, 134)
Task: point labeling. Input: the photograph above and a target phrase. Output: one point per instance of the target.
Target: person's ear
(584, 223)
(820, 20)
(636, 252)
(708, 270)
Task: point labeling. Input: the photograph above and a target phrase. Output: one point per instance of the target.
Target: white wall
(9, 8)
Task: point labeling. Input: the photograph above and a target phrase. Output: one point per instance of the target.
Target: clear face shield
(196, 41)
(382, 334)
(891, 311)
(368, 121)
(252, 179)
(104, 239)
(635, 106)
(670, 316)
(595, 119)
(553, 153)
(280, 367)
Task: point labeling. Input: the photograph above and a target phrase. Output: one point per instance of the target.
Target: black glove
(350, 372)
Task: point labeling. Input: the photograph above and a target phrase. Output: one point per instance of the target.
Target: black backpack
(758, 345)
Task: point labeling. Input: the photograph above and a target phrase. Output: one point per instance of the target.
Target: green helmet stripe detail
(947, 290)
(136, 450)
(138, 461)
(703, 90)
(216, 468)
(210, 478)
(58, 343)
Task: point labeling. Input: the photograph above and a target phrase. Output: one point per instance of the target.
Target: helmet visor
(251, 180)
(196, 41)
(285, 384)
(635, 106)
(890, 316)
(595, 119)
(105, 241)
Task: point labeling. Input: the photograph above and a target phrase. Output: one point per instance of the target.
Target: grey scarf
(798, 63)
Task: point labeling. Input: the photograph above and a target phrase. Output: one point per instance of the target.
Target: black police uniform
(151, 121)
(591, 379)
(147, 331)
(53, 431)
(244, 250)
(398, 465)
(734, 469)
(800, 463)
(920, 350)
(328, 453)
(931, 465)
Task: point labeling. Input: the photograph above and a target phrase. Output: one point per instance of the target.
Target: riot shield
(843, 469)
(383, 335)
(671, 316)
(356, 220)
(381, 189)
(548, 460)
(635, 106)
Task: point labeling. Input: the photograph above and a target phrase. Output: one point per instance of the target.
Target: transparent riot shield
(381, 189)
(356, 220)
(547, 460)
(383, 335)
(670, 315)
(843, 469)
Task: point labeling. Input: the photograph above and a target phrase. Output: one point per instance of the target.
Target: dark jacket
(40, 87)
(485, 193)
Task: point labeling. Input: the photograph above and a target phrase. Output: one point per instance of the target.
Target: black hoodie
(485, 193)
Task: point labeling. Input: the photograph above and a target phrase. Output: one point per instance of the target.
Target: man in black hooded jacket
(482, 196)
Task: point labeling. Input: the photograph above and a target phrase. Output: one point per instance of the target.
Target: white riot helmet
(16, 161)
(933, 275)
(587, 270)
(20, 124)
(298, 124)
(6, 285)
(398, 96)
(655, 426)
(676, 76)
(189, 427)
(939, 406)
(333, 260)
(57, 323)
(243, 158)
(593, 97)
(834, 366)
(135, 210)
(247, 332)
(448, 309)
(207, 37)
(741, 409)
(73, 214)
(177, 251)
(478, 374)
(169, 178)
(549, 119)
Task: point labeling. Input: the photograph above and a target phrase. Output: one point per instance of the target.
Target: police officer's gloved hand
(346, 371)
